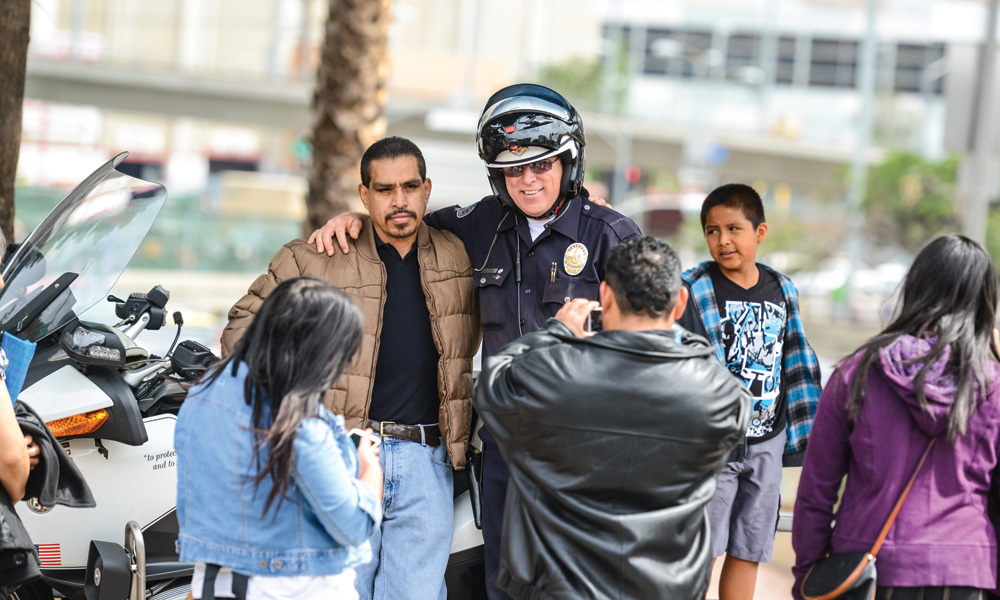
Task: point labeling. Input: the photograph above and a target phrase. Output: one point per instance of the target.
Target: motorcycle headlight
(93, 344)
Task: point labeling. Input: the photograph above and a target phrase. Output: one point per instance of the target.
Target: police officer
(535, 244)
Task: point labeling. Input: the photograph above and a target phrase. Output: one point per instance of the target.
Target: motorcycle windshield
(74, 257)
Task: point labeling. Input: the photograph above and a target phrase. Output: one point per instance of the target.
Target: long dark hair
(949, 293)
(302, 338)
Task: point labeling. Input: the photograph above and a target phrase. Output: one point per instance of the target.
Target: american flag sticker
(49, 555)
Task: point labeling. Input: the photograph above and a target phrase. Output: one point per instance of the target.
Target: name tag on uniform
(496, 274)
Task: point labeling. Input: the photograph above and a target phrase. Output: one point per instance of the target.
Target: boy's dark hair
(645, 276)
(735, 195)
(391, 148)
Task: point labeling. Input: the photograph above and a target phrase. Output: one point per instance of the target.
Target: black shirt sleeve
(691, 319)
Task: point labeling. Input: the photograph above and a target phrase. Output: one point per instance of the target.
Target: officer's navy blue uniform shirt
(493, 237)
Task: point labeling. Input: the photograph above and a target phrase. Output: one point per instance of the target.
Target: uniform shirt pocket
(492, 299)
(562, 291)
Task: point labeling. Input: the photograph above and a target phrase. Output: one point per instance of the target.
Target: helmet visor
(513, 158)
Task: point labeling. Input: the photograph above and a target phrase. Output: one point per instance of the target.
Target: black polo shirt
(405, 388)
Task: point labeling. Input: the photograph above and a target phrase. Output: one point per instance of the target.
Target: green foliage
(909, 200)
(993, 234)
(689, 236)
(579, 79)
(806, 242)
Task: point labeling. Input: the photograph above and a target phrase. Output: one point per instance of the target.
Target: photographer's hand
(574, 315)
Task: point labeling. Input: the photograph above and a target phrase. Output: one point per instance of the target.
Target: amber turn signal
(78, 424)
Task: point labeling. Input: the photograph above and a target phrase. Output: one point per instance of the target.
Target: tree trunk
(14, 28)
(348, 101)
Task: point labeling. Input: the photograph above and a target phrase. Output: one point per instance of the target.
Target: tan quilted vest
(446, 276)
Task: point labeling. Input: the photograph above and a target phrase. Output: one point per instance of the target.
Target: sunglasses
(538, 167)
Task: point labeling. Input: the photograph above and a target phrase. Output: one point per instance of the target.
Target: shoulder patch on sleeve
(465, 210)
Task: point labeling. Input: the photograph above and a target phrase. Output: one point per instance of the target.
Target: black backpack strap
(208, 586)
(240, 583)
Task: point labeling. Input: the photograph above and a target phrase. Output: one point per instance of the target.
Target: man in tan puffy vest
(411, 381)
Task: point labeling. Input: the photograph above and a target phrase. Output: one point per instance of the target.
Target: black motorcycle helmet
(523, 123)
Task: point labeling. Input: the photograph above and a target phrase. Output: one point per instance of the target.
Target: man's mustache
(401, 211)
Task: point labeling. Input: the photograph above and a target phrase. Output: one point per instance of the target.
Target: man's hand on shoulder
(574, 315)
(340, 227)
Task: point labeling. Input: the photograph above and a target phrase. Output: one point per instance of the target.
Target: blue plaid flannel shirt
(800, 368)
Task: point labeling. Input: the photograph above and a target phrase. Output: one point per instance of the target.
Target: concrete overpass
(806, 167)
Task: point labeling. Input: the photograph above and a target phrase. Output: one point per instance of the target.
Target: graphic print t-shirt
(753, 333)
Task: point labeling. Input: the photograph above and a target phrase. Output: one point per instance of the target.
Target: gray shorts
(743, 515)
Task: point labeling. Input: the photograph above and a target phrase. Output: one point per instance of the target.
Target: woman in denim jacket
(273, 500)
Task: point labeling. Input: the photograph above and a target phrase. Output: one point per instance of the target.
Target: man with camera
(613, 440)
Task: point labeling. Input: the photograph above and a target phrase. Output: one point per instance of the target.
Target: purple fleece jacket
(943, 535)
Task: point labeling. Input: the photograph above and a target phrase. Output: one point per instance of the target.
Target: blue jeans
(410, 551)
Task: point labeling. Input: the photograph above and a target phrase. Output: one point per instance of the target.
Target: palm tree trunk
(348, 101)
(14, 29)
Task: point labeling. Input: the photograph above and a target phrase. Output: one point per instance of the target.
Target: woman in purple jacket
(933, 372)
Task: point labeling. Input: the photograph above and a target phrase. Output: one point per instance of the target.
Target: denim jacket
(325, 520)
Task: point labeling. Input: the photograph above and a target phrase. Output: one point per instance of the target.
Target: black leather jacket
(613, 444)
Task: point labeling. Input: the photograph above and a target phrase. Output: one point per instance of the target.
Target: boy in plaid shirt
(750, 313)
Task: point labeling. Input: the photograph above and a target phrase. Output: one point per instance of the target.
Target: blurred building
(677, 96)
(197, 87)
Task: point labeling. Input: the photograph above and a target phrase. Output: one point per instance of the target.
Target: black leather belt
(429, 435)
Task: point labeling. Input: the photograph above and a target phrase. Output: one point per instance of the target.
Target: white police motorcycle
(113, 405)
